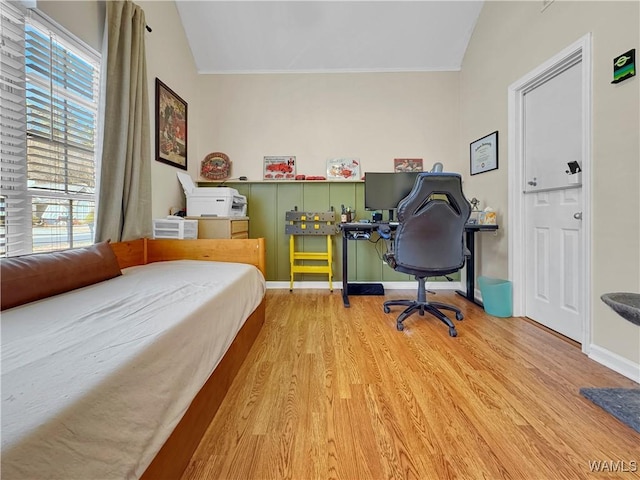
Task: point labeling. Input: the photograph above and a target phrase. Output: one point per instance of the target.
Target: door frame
(578, 51)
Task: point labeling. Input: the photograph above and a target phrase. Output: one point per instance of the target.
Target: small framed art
(343, 169)
(171, 127)
(407, 164)
(279, 168)
(484, 154)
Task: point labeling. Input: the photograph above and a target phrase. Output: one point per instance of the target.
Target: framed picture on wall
(279, 168)
(484, 154)
(343, 169)
(407, 164)
(171, 127)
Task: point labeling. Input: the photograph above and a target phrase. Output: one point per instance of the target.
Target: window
(14, 219)
(48, 180)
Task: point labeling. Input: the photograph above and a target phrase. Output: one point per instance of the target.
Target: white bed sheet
(95, 380)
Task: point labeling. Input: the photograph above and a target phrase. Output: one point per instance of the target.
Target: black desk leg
(471, 270)
(345, 289)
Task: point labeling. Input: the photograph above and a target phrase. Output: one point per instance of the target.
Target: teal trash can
(497, 296)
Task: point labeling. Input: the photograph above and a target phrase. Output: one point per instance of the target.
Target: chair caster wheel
(452, 332)
(399, 327)
(386, 309)
(459, 316)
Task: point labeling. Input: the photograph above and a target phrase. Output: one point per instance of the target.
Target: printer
(212, 201)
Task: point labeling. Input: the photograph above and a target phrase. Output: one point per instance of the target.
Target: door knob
(533, 182)
(577, 215)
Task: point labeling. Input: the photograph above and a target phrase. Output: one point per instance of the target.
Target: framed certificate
(484, 154)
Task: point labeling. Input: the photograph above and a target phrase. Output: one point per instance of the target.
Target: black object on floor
(622, 403)
(365, 289)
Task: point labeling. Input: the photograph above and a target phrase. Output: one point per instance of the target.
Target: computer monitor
(383, 191)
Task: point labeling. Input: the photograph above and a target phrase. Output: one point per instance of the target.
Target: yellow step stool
(316, 224)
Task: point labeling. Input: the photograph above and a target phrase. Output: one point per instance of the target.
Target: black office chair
(429, 240)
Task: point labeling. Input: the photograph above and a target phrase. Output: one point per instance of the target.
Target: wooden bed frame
(145, 250)
(174, 456)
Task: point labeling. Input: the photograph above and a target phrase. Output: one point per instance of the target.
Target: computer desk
(355, 230)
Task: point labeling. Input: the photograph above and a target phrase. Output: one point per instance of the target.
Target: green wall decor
(624, 66)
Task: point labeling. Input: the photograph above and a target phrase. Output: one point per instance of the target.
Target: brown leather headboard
(32, 277)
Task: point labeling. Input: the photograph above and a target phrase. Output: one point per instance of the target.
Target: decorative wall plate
(215, 166)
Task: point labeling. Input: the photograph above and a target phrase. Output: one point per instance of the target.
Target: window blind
(61, 104)
(50, 185)
(15, 211)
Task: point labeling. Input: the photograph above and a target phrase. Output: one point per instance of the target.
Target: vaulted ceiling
(328, 36)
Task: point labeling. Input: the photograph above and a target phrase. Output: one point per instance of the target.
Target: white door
(550, 122)
(552, 256)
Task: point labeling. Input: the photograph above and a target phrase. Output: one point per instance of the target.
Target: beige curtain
(124, 201)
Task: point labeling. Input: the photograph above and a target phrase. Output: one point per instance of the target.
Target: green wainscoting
(269, 201)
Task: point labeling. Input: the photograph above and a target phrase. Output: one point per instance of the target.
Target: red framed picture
(407, 164)
(171, 127)
(279, 168)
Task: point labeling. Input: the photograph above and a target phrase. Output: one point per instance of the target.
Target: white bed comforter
(95, 380)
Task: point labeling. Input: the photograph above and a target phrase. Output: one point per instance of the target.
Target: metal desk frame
(349, 232)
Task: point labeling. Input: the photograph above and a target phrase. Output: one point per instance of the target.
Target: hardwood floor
(335, 393)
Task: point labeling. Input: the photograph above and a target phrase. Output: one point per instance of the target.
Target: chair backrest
(429, 240)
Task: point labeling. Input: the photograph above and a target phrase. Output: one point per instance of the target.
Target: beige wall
(169, 58)
(374, 117)
(510, 40)
(84, 19)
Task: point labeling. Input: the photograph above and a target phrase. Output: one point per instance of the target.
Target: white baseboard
(387, 285)
(615, 362)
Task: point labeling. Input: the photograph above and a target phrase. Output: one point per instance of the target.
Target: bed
(120, 378)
